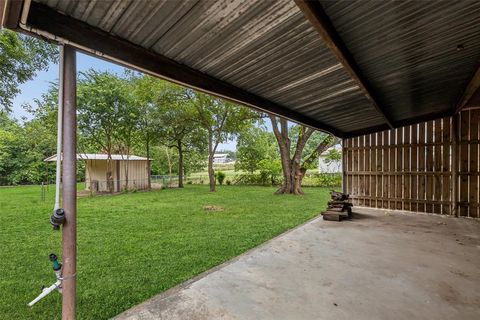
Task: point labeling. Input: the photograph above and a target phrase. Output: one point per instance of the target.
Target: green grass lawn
(133, 246)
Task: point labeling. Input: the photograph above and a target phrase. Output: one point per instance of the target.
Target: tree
(270, 169)
(253, 146)
(292, 155)
(104, 108)
(41, 134)
(146, 97)
(21, 57)
(333, 157)
(180, 130)
(221, 120)
(12, 150)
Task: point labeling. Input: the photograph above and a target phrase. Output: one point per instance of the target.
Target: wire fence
(323, 179)
(330, 180)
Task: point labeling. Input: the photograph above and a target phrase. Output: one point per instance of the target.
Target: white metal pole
(58, 177)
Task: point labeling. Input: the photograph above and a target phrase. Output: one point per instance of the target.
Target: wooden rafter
(321, 22)
(10, 12)
(469, 91)
(400, 123)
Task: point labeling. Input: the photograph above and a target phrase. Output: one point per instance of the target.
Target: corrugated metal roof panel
(408, 49)
(101, 156)
(264, 47)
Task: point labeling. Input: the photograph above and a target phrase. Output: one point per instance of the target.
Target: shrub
(220, 175)
(229, 182)
(323, 180)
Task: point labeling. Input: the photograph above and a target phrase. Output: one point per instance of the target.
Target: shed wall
(137, 174)
(412, 168)
(96, 171)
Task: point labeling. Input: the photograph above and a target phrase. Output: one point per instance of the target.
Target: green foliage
(255, 145)
(221, 120)
(312, 143)
(21, 57)
(332, 156)
(12, 150)
(327, 180)
(106, 113)
(42, 129)
(168, 119)
(220, 175)
(271, 170)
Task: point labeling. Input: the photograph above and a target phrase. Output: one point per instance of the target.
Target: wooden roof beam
(314, 12)
(10, 12)
(400, 123)
(470, 89)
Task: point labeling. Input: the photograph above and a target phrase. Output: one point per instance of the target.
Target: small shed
(96, 172)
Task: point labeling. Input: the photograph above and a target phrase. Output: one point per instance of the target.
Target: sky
(33, 89)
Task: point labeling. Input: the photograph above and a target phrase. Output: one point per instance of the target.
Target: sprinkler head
(57, 218)
(56, 265)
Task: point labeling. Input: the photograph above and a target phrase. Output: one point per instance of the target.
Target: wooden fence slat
(361, 163)
(349, 166)
(446, 156)
(399, 168)
(379, 168)
(463, 188)
(411, 168)
(474, 165)
(355, 168)
(391, 167)
(406, 167)
(429, 167)
(385, 162)
(414, 168)
(421, 166)
(437, 160)
(373, 169)
(366, 181)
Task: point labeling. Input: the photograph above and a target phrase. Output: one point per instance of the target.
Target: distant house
(96, 171)
(329, 167)
(221, 158)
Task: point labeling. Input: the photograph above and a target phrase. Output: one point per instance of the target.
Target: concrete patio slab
(382, 265)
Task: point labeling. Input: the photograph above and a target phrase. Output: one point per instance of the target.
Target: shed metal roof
(101, 156)
(413, 59)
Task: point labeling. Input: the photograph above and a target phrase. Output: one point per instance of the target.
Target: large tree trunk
(180, 164)
(211, 172)
(286, 168)
(109, 175)
(293, 168)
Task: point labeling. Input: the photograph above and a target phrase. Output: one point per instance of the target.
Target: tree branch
(328, 142)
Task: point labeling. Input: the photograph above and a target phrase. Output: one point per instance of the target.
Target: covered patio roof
(348, 68)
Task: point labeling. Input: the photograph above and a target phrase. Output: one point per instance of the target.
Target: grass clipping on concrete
(134, 246)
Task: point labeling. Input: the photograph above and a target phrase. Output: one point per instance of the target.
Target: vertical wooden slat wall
(410, 168)
(469, 171)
